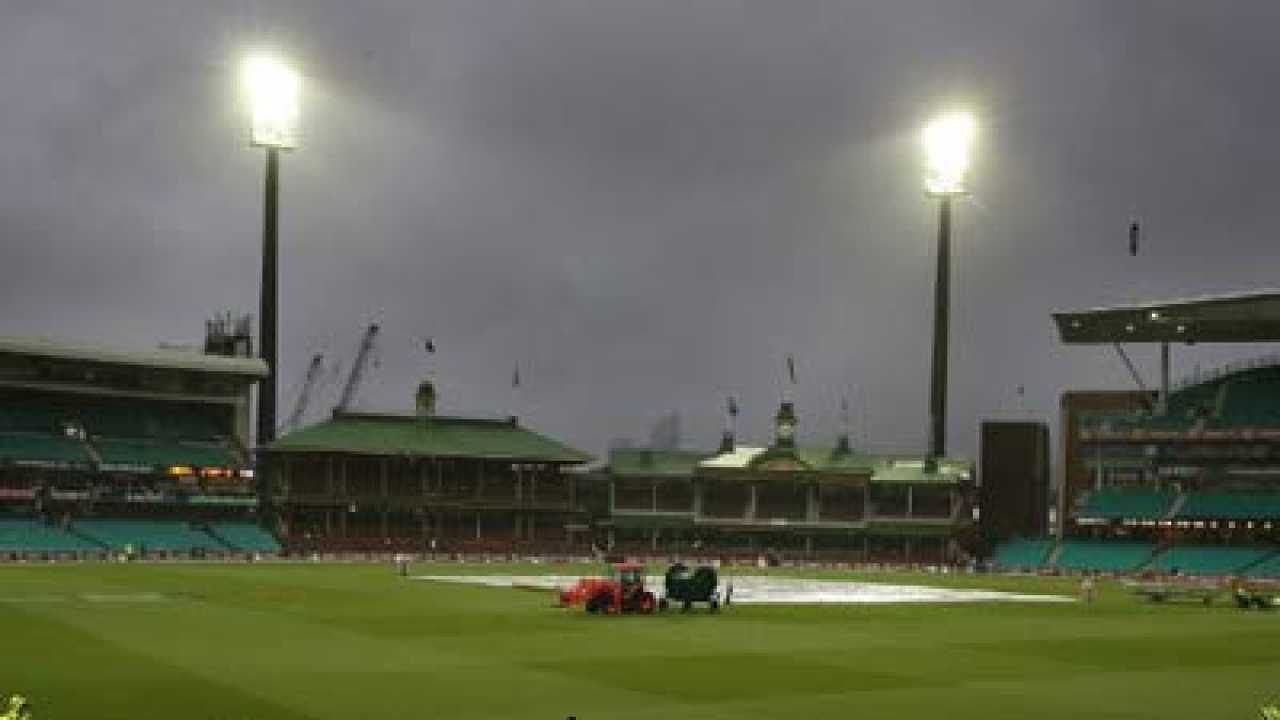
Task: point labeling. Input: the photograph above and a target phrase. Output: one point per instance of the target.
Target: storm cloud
(644, 205)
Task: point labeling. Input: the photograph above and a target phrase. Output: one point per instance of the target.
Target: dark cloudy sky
(646, 204)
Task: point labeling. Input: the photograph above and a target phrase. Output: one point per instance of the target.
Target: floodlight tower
(272, 88)
(947, 142)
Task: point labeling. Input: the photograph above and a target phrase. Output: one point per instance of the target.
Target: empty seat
(1207, 559)
(1021, 554)
(1126, 504)
(245, 536)
(1103, 556)
(165, 535)
(1220, 505)
(24, 535)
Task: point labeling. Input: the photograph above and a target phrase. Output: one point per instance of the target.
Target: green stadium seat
(165, 535)
(1021, 554)
(1268, 568)
(160, 453)
(1207, 559)
(1219, 505)
(42, 448)
(24, 535)
(1103, 556)
(245, 536)
(1126, 504)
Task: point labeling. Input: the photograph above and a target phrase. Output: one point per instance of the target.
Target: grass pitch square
(316, 641)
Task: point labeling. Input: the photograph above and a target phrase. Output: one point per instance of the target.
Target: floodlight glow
(947, 141)
(273, 102)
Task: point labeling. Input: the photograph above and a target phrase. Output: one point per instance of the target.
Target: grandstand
(103, 448)
(787, 500)
(1183, 479)
(1122, 556)
(364, 482)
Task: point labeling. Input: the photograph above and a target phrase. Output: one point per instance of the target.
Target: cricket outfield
(295, 641)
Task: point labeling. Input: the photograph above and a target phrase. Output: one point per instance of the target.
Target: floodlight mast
(947, 143)
(273, 89)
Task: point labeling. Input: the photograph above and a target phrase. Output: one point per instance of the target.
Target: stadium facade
(382, 482)
(93, 438)
(1182, 479)
(789, 500)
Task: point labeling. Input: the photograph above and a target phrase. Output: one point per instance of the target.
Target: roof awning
(1233, 318)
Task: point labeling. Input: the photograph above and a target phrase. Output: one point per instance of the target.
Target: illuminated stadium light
(273, 102)
(181, 470)
(947, 144)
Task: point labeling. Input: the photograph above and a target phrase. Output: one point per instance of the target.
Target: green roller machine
(686, 586)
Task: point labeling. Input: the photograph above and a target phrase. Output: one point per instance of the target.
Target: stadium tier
(29, 448)
(1133, 504)
(163, 535)
(1207, 559)
(244, 536)
(1021, 554)
(159, 454)
(1119, 556)
(22, 535)
(1230, 506)
(1268, 568)
(1104, 556)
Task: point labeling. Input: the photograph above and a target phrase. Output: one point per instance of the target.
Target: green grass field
(356, 641)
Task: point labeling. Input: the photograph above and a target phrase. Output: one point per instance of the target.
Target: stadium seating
(26, 447)
(244, 536)
(149, 535)
(1230, 506)
(1021, 554)
(21, 417)
(1269, 568)
(1132, 504)
(1251, 400)
(24, 535)
(1103, 556)
(1207, 559)
(158, 453)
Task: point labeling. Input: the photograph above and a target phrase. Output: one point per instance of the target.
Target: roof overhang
(1233, 318)
(161, 358)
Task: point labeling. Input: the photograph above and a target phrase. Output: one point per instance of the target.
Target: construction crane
(357, 369)
(304, 395)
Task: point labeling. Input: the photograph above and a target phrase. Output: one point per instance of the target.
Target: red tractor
(621, 591)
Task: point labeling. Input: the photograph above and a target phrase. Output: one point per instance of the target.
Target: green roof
(434, 436)
(904, 470)
(836, 460)
(644, 462)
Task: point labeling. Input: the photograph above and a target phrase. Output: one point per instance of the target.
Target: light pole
(947, 141)
(273, 100)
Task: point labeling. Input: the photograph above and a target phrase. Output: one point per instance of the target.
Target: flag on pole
(1134, 232)
(429, 346)
(732, 407)
(791, 368)
(515, 377)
